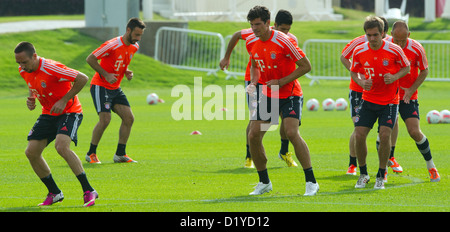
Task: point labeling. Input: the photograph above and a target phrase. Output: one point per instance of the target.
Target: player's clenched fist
(31, 103)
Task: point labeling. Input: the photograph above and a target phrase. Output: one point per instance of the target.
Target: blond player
(409, 103)
(355, 98)
(384, 63)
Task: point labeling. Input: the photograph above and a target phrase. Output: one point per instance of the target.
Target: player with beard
(115, 55)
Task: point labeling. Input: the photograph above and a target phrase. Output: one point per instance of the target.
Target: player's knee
(385, 136)
(61, 148)
(129, 120)
(254, 135)
(292, 134)
(104, 120)
(415, 134)
(359, 135)
(30, 154)
(251, 135)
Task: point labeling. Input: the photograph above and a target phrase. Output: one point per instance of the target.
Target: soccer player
(283, 23)
(274, 57)
(56, 87)
(115, 55)
(355, 98)
(409, 105)
(384, 63)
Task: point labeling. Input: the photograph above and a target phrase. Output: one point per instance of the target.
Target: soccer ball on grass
(152, 99)
(312, 104)
(328, 104)
(341, 104)
(433, 117)
(445, 116)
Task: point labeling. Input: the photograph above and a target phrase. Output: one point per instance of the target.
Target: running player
(274, 57)
(283, 23)
(115, 55)
(51, 83)
(409, 105)
(383, 63)
(355, 97)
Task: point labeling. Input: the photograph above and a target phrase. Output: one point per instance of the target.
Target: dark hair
(259, 12)
(386, 24)
(374, 22)
(283, 17)
(135, 22)
(26, 47)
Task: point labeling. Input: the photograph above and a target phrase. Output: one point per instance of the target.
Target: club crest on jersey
(43, 84)
(385, 62)
(273, 55)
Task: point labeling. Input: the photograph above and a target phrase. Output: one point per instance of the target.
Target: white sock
(430, 164)
(422, 141)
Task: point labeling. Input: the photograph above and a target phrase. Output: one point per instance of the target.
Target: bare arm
(410, 91)
(225, 62)
(254, 75)
(93, 62)
(303, 67)
(78, 84)
(366, 84)
(346, 62)
(391, 78)
(31, 101)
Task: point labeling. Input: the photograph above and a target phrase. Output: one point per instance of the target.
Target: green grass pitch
(179, 172)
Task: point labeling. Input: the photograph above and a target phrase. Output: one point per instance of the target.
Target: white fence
(199, 50)
(237, 10)
(189, 49)
(325, 59)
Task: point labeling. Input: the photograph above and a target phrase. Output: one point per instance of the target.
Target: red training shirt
(390, 58)
(49, 83)
(114, 57)
(418, 59)
(275, 59)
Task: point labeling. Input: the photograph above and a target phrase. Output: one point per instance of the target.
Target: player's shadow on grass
(39, 208)
(238, 170)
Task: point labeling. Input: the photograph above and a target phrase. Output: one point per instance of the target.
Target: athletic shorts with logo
(355, 99)
(370, 112)
(48, 126)
(105, 99)
(290, 107)
(410, 110)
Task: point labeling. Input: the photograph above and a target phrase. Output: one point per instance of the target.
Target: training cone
(196, 133)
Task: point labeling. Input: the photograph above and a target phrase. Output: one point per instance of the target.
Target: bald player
(409, 104)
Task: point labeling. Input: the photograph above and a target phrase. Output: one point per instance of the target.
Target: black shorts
(355, 99)
(105, 99)
(410, 110)
(290, 107)
(370, 112)
(47, 127)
